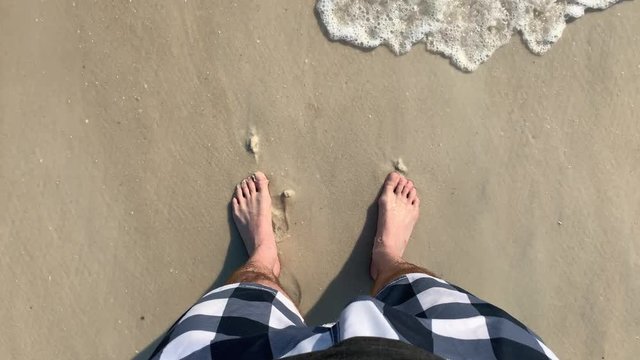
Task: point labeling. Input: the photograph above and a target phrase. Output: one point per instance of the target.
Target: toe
(416, 202)
(400, 186)
(407, 187)
(261, 181)
(392, 180)
(245, 188)
(412, 195)
(238, 195)
(251, 184)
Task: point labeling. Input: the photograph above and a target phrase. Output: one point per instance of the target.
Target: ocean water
(466, 31)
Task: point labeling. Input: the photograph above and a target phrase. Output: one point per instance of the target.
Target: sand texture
(124, 126)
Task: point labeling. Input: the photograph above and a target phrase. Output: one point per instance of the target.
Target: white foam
(466, 31)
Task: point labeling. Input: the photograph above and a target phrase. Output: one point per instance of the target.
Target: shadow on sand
(352, 280)
(236, 256)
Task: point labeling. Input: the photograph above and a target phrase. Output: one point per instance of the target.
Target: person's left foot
(398, 210)
(252, 214)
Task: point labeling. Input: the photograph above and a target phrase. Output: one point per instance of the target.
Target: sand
(124, 127)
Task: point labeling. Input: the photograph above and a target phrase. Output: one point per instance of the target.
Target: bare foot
(398, 210)
(252, 215)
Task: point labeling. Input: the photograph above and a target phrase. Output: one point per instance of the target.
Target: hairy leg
(398, 211)
(394, 271)
(252, 272)
(251, 205)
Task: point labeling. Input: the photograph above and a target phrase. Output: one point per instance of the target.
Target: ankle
(383, 262)
(389, 244)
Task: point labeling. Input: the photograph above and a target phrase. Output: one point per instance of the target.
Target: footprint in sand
(280, 222)
(280, 215)
(291, 285)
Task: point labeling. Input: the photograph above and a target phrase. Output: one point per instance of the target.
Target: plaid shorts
(250, 321)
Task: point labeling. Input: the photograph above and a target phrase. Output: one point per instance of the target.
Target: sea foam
(466, 31)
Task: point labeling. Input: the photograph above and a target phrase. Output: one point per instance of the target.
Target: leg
(250, 317)
(460, 325)
(252, 214)
(398, 211)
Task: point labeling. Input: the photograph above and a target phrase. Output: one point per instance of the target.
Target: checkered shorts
(250, 321)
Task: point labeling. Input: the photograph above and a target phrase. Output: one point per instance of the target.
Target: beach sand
(124, 128)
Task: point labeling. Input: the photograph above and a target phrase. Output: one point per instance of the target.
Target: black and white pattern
(250, 321)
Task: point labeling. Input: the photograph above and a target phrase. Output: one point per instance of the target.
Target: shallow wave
(466, 31)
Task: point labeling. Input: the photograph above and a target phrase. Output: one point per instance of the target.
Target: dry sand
(124, 126)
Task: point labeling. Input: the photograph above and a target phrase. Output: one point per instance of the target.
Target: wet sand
(124, 128)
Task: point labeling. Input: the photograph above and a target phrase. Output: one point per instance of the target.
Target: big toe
(392, 181)
(261, 181)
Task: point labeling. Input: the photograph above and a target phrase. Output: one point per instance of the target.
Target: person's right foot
(398, 210)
